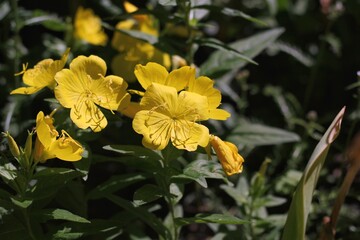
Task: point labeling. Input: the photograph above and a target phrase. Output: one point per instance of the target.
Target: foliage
(179, 119)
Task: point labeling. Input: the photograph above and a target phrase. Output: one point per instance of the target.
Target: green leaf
(240, 193)
(217, 44)
(167, 2)
(210, 218)
(221, 62)
(8, 172)
(295, 225)
(58, 214)
(255, 134)
(144, 215)
(199, 170)
(66, 233)
(22, 203)
(114, 184)
(230, 12)
(134, 150)
(50, 180)
(146, 194)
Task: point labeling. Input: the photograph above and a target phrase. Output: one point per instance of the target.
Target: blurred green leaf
(217, 44)
(255, 134)
(210, 218)
(295, 226)
(8, 172)
(4, 9)
(58, 214)
(221, 62)
(22, 203)
(146, 194)
(49, 180)
(240, 193)
(134, 150)
(199, 170)
(66, 234)
(114, 184)
(144, 215)
(167, 2)
(230, 12)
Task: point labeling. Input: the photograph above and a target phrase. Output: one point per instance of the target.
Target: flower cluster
(172, 108)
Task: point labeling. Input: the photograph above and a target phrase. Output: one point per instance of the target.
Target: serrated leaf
(146, 194)
(255, 134)
(221, 62)
(114, 184)
(295, 226)
(199, 170)
(143, 214)
(210, 218)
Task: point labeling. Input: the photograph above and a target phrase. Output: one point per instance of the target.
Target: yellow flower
(132, 50)
(228, 155)
(183, 78)
(84, 87)
(49, 144)
(42, 75)
(169, 116)
(88, 27)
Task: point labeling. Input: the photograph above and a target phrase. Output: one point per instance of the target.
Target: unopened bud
(14, 149)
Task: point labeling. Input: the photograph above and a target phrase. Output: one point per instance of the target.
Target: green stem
(165, 184)
(27, 223)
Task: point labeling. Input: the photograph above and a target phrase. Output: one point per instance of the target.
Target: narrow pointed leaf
(295, 225)
(221, 62)
(210, 218)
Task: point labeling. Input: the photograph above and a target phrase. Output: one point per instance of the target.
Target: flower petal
(84, 67)
(109, 92)
(218, 114)
(188, 135)
(66, 148)
(26, 90)
(86, 114)
(179, 78)
(155, 128)
(69, 88)
(150, 73)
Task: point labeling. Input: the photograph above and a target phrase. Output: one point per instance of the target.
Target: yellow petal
(109, 92)
(218, 114)
(150, 73)
(26, 90)
(123, 66)
(155, 128)
(131, 109)
(88, 27)
(66, 148)
(69, 88)
(188, 135)
(86, 114)
(205, 86)
(191, 106)
(161, 98)
(45, 129)
(84, 67)
(179, 78)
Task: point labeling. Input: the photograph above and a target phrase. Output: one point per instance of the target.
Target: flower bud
(14, 149)
(228, 155)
